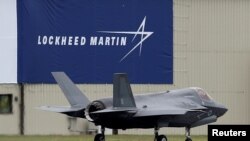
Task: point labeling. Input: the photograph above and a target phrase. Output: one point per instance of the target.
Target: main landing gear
(159, 137)
(164, 138)
(188, 137)
(100, 136)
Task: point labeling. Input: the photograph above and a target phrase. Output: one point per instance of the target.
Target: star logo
(140, 32)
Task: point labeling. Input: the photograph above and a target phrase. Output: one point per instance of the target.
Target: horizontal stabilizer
(75, 97)
(59, 109)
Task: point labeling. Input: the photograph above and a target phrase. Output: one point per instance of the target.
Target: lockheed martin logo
(141, 32)
(44, 40)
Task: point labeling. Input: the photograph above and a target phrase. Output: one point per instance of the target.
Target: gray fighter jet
(189, 107)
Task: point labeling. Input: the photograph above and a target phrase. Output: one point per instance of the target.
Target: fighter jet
(188, 107)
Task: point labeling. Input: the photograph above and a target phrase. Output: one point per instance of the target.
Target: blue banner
(92, 39)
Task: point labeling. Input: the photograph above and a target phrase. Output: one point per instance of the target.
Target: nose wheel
(159, 137)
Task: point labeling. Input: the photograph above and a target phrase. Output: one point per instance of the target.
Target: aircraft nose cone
(222, 110)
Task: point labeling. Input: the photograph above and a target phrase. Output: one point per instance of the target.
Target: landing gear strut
(159, 137)
(100, 136)
(188, 137)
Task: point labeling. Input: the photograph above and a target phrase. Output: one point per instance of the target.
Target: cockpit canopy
(202, 94)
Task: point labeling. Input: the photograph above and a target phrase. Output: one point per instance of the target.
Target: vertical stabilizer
(122, 93)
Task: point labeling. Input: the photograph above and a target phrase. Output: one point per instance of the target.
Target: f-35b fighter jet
(189, 107)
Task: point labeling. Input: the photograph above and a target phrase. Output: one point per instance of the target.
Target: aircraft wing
(59, 109)
(164, 112)
(106, 111)
(148, 112)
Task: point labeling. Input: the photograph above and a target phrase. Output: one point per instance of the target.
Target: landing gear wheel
(188, 139)
(161, 138)
(99, 137)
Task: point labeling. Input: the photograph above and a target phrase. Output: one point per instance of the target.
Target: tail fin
(72, 93)
(122, 93)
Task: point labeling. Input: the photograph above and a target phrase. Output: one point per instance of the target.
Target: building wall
(9, 123)
(211, 50)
